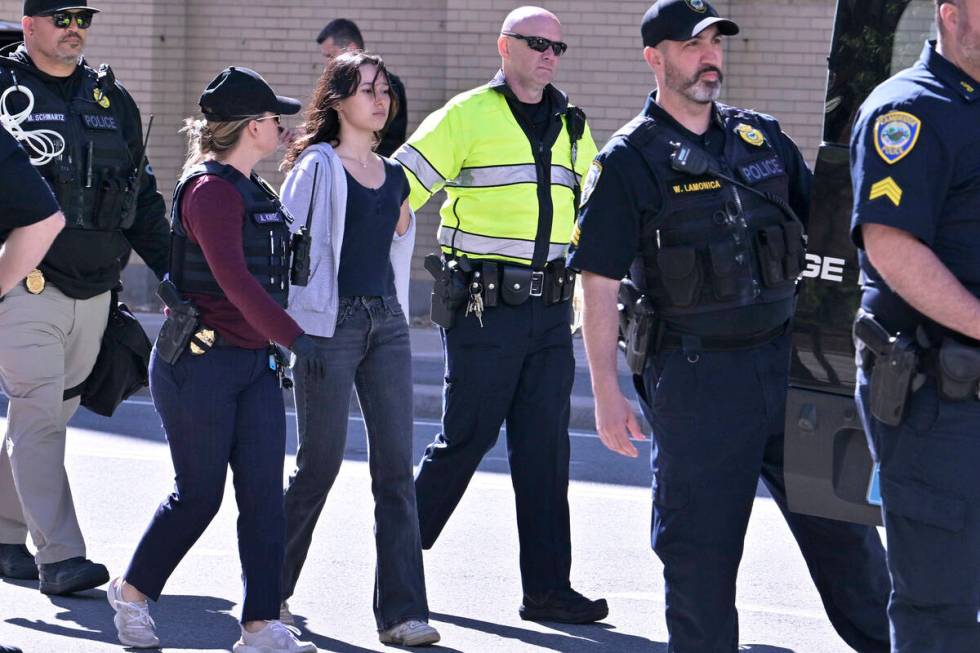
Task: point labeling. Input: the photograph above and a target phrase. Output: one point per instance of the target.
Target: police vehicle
(10, 32)
(828, 466)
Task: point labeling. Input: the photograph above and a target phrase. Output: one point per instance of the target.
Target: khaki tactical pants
(48, 342)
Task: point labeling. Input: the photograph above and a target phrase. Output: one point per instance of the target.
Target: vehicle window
(917, 25)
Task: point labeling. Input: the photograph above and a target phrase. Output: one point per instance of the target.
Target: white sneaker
(276, 637)
(285, 615)
(133, 623)
(410, 633)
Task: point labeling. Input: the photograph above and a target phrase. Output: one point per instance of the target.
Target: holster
(958, 370)
(175, 335)
(450, 280)
(894, 362)
(638, 326)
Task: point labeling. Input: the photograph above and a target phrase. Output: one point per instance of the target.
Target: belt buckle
(537, 283)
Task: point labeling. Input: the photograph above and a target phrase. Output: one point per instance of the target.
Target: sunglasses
(275, 117)
(83, 19)
(539, 43)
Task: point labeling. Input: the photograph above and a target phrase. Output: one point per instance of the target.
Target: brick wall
(165, 51)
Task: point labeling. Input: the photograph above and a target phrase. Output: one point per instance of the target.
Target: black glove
(307, 358)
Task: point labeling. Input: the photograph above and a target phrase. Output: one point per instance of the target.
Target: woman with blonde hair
(219, 394)
(354, 308)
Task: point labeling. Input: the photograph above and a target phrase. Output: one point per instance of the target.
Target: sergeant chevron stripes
(887, 187)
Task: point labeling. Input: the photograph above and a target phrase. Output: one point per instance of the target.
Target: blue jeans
(222, 408)
(370, 350)
(930, 490)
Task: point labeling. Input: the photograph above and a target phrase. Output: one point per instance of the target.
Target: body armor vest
(94, 179)
(712, 246)
(265, 236)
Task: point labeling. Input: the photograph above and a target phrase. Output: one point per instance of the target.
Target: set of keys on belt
(475, 303)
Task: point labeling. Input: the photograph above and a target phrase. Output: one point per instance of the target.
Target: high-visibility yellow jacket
(505, 189)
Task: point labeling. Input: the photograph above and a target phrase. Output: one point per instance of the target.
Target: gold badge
(750, 134)
(206, 337)
(889, 188)
(101, 98)
(35, 282)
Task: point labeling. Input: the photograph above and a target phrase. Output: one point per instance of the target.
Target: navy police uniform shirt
(25, 198)
(619, 193)
(915, 166)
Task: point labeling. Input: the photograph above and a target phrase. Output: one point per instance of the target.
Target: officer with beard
(707, 203)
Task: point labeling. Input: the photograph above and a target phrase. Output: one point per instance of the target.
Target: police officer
(83, 131)
(29, 222)
(919, 243)
(705, 201)
(509, 154)
(218, 390)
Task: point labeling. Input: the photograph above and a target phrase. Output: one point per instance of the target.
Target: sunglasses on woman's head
(62, 19)
(539, 43)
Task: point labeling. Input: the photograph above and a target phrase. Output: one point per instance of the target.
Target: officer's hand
(307, 358)
(616, 422)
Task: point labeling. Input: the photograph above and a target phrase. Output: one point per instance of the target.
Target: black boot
(72, 575)
(563, 606)
(9, 649)
(17, 562)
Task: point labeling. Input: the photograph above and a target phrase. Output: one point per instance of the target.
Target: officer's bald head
(527, 17)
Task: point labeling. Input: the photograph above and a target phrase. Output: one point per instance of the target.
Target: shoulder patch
(896, 133)
(750, 134)
(591, 179)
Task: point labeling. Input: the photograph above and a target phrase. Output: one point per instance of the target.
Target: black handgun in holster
(894, 364)
(450, 281)
(179, 327)
(637, 326)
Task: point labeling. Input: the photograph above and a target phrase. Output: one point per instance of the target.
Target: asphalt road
(120, 470)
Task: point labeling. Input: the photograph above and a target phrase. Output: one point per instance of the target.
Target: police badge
(696, 5)
(750, 134)
(896, 133)
(101, 98)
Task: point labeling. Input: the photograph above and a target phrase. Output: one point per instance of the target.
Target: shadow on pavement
(188, 622)
(591, 637)
(330, 645)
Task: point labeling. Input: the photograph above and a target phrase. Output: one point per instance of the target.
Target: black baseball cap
(238, 93)
(46, 7)
(680, 20)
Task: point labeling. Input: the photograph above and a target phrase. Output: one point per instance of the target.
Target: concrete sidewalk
(428, 372)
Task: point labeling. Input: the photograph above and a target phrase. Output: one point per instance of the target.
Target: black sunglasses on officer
(539, 43)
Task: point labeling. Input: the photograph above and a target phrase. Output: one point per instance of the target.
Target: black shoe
(17, 562)
(72, 575)
(564, 606)
(9, 649)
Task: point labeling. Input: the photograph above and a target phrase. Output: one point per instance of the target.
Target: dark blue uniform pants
(930, 489)
(222, 408)
(519, 369)
(718, 420)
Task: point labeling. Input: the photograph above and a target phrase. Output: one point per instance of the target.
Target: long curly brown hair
(339, 80)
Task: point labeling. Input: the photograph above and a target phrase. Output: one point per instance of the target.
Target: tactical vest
(94, 179)
(712, 246)
(265, 236)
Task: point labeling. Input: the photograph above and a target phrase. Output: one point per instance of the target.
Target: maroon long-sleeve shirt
(213, 214)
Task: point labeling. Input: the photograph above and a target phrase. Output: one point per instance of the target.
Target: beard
(694, 88)
(969, 42)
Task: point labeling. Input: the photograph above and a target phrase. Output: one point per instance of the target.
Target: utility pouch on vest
(515, 285)
(491, 284)
(180, 325)
(111, 202)
(795, 260)
(637, 326)
(724, 268)
(772, 255)
(681, 274)
(958, 370)
(896, 361)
